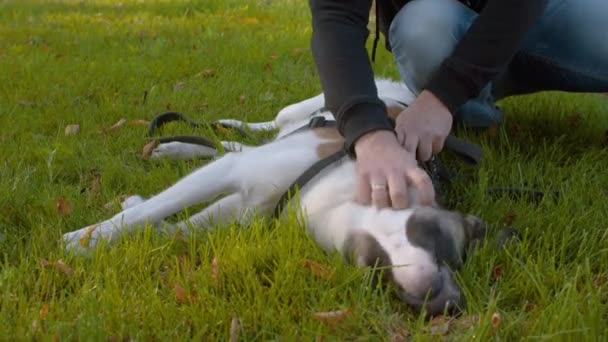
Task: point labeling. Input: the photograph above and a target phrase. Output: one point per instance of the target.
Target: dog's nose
(445, 297)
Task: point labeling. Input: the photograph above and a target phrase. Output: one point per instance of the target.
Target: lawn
(93, 63)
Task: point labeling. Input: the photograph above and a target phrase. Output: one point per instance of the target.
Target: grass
(91, 62)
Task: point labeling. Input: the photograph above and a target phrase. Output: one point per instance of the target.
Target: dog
(415, 249)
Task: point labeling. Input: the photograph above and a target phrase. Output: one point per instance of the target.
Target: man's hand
(385, 170)
(422, 127)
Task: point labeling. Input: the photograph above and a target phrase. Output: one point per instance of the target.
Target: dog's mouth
(444, 296)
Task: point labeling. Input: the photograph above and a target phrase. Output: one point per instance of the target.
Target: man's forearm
(338, 47)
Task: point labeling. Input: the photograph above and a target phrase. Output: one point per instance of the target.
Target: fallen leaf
(207, 73)
(26, 103)
(515, 128)
(181, 295)
(496, 319)
(332, 317)
(149, 148)
(273, 56)
(497, 273)
(179, 85)
(509, 218)
(63, 267)
(297, 52)
(529, 307)
(440, 325)
(72, 129)
(64, 207)
(574, 120)
(140, 122)
(234, 329)
(250, 20)
(58, 265)
(93, 182)
(267, 67)
(491, 132)
(468, 321)
(118, 124)
(242, 99)
(317, 269)
(44, 311)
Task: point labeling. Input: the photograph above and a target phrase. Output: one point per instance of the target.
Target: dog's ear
(440, 233)
(362, 249)
(475, 230)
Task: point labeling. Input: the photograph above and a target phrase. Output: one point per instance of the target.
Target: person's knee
(423, 34)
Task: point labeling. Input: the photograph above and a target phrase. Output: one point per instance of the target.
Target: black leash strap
(304, 178)
(164, 118)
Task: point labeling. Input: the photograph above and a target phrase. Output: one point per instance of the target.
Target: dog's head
(419, 262)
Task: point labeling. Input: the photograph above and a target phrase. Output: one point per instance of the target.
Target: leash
(467, 151)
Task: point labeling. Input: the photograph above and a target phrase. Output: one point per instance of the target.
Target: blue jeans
(566, 50)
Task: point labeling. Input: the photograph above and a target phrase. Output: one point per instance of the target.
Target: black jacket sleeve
(485, 50)
(338, 47)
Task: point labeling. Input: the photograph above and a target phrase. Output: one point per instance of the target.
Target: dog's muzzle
(445, 296)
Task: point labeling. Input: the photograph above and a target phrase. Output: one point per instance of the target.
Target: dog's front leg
(202, 185)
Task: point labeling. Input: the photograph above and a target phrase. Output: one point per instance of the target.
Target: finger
(400, 136)
(363, 193)
(425, 149)
(411, 143)
(421, 181)
(397, 186)
(438, 144)
(380, 195)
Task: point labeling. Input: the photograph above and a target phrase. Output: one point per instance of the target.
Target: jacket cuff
(362, 119)
(450, 88)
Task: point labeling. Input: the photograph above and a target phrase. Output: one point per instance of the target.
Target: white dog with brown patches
(418, 248)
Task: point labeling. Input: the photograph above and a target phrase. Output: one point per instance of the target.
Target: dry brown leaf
(234, 329)
(317, 269)
(44, 311)
(509, 218)
(467, 321)
(72, 129)
(250, 20)
(207, 73)
(267, 67)
(440, 325)
(64, 207)
(496, 319)
(297, 52)
(274, 56)
(529, 307)
(179, 85)
(497, 272)
(149, 148)
(181, 295)
(118, 124)
(58, 265)
(332, 317)
(140, 122)
(63, 267)
(242, 99)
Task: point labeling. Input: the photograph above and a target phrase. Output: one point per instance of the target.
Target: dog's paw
(180, 150)
(85, 239)
(131, 201)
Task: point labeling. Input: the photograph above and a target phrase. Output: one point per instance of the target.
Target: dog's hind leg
(220, 212)
(203, 184)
